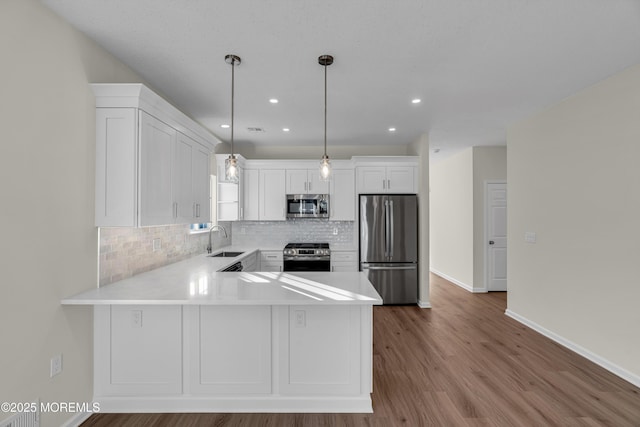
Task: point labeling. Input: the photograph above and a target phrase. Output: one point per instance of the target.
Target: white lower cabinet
(230, 349)
(233, 358)
(140, 350)
(319, 353)
(346, 260)
(271, 261)
(250, 262)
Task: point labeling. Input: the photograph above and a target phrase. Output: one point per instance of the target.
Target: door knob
(491, 242)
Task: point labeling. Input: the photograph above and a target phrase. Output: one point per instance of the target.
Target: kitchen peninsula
(187, 338)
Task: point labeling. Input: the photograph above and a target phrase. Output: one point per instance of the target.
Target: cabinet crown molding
(137, 95)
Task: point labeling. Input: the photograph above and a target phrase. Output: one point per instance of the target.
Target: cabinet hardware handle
(198, 210)
(175, 209)
(388, 184)
(309, 185)
(241, 213)
(384, 184)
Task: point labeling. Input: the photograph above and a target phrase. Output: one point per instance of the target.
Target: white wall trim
(77, 419)
(424, 304)
(463, 285)
(598, 360)
(279, 404)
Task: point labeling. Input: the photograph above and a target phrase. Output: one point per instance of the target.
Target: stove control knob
(289, 252)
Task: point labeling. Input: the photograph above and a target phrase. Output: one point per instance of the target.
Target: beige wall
(49, 243)
(489, 164)
(451, 218)
(573, 179)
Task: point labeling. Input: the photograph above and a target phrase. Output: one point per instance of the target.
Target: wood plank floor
(462, 363)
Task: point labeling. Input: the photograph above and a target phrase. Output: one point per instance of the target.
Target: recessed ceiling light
(273, 101)
(416, 101)
(224, 126)
(285, 129)
(392, 129)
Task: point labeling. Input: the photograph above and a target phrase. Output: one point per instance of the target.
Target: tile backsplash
(127, 251)
(276, 234)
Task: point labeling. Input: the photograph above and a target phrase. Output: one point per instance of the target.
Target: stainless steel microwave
(307, 206)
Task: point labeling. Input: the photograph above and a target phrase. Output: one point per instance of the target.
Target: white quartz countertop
(196, 281)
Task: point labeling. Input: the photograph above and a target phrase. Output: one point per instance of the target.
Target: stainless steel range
(307, 257)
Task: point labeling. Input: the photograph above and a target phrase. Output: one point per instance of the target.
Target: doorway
(495, 235)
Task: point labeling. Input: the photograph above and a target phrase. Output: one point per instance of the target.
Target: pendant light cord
(325, 111)
(233, 69)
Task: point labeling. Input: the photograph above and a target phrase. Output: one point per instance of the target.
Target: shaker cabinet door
(157, 142)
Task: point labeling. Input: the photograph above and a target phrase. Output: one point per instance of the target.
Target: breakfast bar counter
(186, 338)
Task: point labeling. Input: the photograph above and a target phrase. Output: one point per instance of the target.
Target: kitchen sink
(226, 254)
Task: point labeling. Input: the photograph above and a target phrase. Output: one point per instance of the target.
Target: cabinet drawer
(339, 256)
(270, 256)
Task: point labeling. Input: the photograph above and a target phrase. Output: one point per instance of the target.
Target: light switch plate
(530, 237)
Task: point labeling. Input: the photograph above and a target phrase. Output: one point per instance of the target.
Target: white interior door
(496, 244)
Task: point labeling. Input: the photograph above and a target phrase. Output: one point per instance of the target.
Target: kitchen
(50, 114)
(265, 280)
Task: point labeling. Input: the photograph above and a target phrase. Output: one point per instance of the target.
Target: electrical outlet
(301, 320)
(335, 231)
(136, 318)
(157, 244)
(56, 365)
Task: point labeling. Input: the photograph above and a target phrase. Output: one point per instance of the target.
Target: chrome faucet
(210, 248)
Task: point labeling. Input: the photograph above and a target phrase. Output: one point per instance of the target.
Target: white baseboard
(77, 419)
(457, 282)
(424, 304)
(606, 364)
(315, 404)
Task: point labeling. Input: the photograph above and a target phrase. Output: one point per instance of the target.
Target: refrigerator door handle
(386, 228)
(391, 226)
(406, 267)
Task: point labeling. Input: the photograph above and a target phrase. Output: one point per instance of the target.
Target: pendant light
(325, 165)
(231, 164)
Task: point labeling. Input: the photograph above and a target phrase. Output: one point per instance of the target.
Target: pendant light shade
(231, 164)
(325, 165)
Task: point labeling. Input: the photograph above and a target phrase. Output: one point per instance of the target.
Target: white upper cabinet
(272, 195)
(116, 166)
(191, 185)
(157, 172)
(251, 193)
(201, 181)
(152, 161)
(305, 181)
(387, 179)
(342, 195)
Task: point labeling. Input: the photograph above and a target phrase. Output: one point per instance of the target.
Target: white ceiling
(478, 66)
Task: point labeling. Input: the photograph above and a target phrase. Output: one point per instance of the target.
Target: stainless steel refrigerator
(389, 245)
